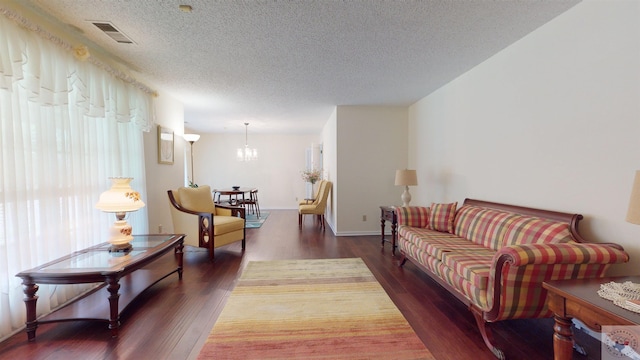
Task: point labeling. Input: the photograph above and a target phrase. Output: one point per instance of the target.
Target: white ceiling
(283, 66)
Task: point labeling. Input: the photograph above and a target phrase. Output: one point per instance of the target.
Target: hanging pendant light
(247, 153)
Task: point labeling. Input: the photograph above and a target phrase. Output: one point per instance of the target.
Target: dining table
(233, 193)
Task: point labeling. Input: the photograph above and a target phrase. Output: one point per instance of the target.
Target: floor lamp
(191, 138)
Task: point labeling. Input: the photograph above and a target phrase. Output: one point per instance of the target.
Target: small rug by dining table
(253, 221)
(311, 309)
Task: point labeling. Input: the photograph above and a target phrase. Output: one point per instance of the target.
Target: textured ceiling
(283, 66)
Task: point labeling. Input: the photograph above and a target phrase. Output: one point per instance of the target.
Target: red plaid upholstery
(473, 266)
(416, 216)
(528, 230)
(564, 253)
(528, 265)
(435, 243)
(488, 228)
(464, 216)
(442, 216)
(493, 248)
(464, 286)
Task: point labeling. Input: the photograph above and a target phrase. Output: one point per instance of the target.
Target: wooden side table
(388, 213)
(579, 299)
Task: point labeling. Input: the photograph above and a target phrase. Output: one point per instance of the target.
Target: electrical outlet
(160, 229)
(364, 217)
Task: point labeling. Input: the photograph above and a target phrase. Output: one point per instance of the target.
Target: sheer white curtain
(66, 126)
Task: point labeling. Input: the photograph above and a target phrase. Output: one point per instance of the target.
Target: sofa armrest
(518, 271)
(563, 253)
(414, 216)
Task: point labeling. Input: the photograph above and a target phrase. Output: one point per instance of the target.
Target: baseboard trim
(357, 233)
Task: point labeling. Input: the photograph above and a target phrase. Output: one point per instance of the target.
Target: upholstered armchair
(318, 206)
(204, 223)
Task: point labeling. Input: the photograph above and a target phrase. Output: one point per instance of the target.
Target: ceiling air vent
(112, 32)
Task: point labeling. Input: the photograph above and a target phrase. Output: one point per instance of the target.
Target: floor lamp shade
(633, 213)
(406, 178)
(191, 138)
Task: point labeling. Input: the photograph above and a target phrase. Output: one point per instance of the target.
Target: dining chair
(251, 204)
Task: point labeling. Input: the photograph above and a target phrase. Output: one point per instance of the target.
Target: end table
(388, 213)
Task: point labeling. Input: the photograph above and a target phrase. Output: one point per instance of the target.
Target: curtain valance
(49, 71)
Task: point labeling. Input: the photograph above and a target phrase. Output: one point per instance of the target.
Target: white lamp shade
(191, 137)
(633, 213)
(406, 177)
(120, 198)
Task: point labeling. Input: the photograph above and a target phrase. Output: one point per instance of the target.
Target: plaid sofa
(494, 257)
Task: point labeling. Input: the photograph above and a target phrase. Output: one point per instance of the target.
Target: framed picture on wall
(165, 145)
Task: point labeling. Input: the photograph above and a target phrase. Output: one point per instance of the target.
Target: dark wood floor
(172, 319)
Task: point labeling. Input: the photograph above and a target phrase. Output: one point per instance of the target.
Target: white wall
(162, 177)
(371, 145)
(330, 162)
(552, 121)
(276, 173)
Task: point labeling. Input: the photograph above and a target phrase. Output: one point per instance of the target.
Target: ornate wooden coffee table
(97, 265)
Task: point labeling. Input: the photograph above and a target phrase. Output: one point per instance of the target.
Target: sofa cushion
(197, 199)
(423, 237)
(464, 217)
(532, 230)
(416, 216)
(435, 243)
(489, 226)
(473, 266)
(441, 217)
(477, 296)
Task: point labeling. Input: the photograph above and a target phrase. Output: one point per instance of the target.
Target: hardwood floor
(172, 319)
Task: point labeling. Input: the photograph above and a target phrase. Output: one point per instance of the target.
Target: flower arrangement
(311, 175)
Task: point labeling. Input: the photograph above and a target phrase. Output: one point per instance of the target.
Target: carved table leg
(394, 235)
(30, 300)
(382, 223)
(180, 255)
(114, 319)
(562, 338)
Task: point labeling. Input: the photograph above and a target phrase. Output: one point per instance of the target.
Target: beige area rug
(311, 309)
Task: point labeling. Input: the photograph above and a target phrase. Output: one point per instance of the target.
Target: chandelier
(247, 154)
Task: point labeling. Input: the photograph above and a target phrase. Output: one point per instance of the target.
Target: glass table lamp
(120, 199)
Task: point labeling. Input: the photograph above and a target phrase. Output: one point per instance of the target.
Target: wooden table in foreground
(579, 299)
(97, 265)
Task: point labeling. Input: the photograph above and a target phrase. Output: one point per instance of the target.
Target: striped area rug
(311, 309)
